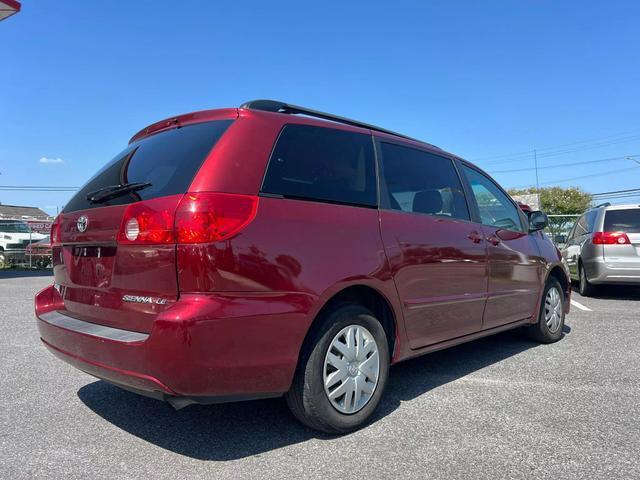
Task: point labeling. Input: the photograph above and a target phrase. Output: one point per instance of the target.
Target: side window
(582, 227)
(591, 220)
(496, 209)
(572, 232)
(325, 164)
(421, 182)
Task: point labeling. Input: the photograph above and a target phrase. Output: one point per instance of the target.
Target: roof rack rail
(281, 107)
(605, 204)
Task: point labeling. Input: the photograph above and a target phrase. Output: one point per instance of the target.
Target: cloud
(50, 160)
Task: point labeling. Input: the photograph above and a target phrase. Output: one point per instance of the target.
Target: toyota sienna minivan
(274, 250)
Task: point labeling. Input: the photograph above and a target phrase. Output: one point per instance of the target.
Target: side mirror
(560, 239)
(537, 221)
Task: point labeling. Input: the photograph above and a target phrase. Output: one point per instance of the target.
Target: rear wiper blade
(112, 191)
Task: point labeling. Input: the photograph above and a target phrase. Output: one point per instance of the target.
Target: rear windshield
(168, 161)
(622, 221)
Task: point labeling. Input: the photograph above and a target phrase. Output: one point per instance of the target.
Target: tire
(308, 397)
(3, 260)
(585, 288)
(547, 330)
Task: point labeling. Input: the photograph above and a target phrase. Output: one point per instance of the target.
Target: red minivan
(273, 250)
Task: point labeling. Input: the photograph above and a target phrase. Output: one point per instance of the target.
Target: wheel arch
(369, 297)
(559, 274)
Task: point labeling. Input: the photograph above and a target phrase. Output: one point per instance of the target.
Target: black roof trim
(281, 107)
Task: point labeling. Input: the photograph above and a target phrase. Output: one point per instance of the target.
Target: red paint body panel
(516, 275)
(202, 345)
(234, 314)
(440, 274)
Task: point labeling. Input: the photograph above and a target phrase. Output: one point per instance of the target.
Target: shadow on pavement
(19, 273)
(237, 430)
(617, 292)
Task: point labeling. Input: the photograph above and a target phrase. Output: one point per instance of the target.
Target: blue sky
(479, 78)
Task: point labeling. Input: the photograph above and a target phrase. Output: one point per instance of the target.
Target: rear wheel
(585, 288)
(342, 372)
(550, 323)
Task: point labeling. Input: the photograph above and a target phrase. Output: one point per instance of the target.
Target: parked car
(40, 253)
(15, 235)
(603, 247)
(265, 251)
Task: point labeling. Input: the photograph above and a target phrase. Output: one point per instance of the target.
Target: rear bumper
(205, 348)
(600, 272)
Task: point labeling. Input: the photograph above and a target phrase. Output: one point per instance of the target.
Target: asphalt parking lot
(500, 407)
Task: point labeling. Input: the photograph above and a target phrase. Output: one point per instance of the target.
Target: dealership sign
(39, 226)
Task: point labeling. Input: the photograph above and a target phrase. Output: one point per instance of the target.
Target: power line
(585, 176)
(600, 141)
(31, 188)
(617, 191)
(560, 165)
(608, 197)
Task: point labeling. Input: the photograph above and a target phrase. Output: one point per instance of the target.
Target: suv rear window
(324, 164)
(168, 160)
(622, 221)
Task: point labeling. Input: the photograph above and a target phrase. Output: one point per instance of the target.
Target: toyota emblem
(83, 223)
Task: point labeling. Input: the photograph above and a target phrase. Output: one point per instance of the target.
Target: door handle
(475, 237)
(493, 240)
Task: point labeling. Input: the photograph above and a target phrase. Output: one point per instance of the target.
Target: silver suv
(603, 247)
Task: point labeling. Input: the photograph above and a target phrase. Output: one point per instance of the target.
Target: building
(23, 213)
(38, 220)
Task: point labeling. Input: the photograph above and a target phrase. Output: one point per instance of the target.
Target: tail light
(190, 218)
(149, 222)
(55, 230)
(610, 238)
(212, 217)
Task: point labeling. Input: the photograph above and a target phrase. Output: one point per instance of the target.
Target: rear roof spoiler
(281, 107)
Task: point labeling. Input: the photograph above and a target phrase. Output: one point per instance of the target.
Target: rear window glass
(168, 160)
(622, 221)
(322, 164)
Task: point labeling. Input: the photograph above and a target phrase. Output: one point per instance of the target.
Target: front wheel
(342, 371)
(550, 324)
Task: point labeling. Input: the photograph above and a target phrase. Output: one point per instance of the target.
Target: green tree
(560, 201)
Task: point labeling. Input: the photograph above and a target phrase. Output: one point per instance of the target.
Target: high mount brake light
(610, 238)
(211, 217)
(200, 217)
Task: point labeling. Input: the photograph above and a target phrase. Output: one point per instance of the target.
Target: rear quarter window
(168, 160)
(323, 164)
(622, 221)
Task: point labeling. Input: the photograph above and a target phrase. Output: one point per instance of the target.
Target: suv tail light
(211, 217)
(190, 218)
(610, 238)
(54, 237)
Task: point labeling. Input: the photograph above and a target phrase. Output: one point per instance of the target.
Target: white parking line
(580, 306)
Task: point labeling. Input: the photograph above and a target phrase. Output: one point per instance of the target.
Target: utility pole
(535, 161)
